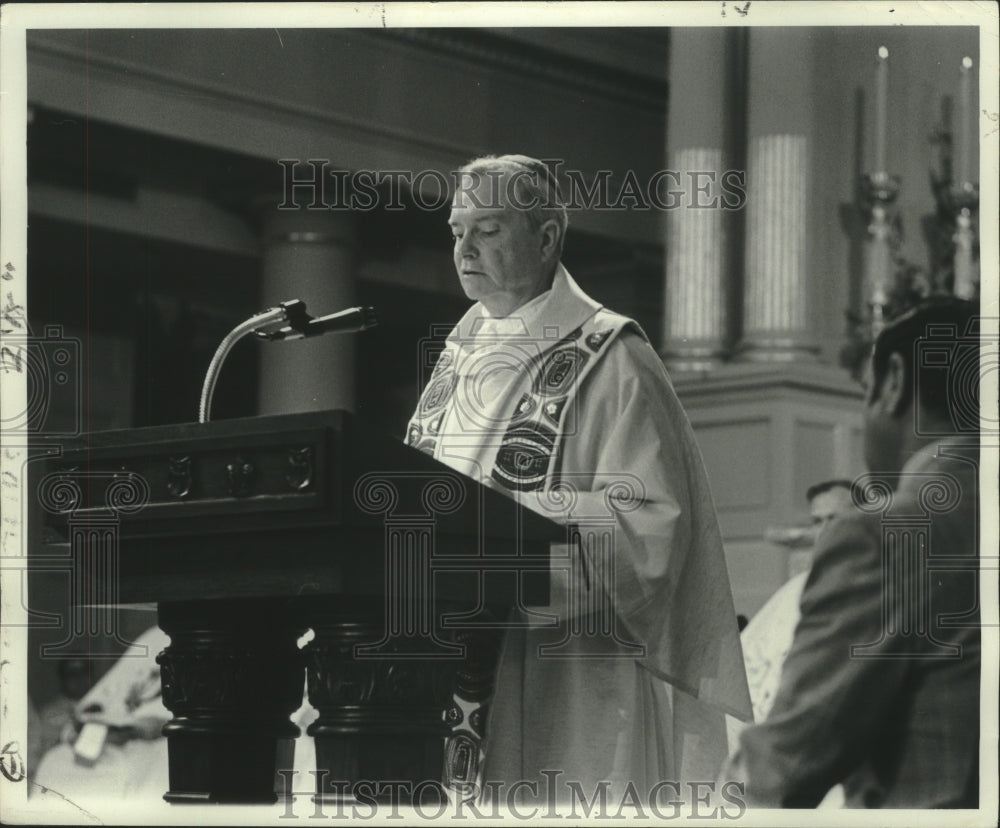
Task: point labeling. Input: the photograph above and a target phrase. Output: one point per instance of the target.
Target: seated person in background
(112, 750)
(828, 500)
(57, 715)
(880, 691)
(767, 638)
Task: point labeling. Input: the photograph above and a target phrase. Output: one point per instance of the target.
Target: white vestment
(566, 406)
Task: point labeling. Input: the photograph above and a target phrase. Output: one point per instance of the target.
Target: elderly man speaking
(620, 684)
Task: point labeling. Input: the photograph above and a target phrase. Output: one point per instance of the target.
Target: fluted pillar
(703, 121)
(776, 325)
(308, 255)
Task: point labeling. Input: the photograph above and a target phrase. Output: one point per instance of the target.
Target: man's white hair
(535, 187)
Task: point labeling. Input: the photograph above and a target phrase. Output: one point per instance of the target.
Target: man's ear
(893, 397)
(549, 239)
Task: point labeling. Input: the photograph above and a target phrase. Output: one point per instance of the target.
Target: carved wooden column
(776, 325)
(382, 715)
(379, 670)
(392, 713)
(401, 678)
(704, 124)
(308, 255)
(231, 676)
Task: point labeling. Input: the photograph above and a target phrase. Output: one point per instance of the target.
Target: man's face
(827, 505)
(498, 255)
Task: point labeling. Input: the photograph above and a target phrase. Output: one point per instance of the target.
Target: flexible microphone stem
(287, 321)
(272, 316)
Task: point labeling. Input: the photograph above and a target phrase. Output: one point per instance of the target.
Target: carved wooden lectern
(246, 533)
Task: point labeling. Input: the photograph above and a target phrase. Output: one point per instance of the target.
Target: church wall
(362, 99)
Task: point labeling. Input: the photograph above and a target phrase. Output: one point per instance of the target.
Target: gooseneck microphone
(288, 320)
(302, 326)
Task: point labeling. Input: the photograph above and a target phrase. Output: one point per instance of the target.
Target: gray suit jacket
(880, 690)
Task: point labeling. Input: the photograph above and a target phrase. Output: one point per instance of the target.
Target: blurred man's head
(922, 381)
(509, 223)
(828, 500)
(74, 677)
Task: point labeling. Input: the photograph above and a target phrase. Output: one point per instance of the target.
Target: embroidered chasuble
(625, 678)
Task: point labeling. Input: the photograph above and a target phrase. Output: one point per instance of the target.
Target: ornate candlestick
(964, 195)
(881, 105)
(965, 123)
(965, 205)
(880, 192)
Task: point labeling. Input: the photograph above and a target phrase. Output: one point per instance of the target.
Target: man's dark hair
(938, 341)
(71, 666)
(825, 486)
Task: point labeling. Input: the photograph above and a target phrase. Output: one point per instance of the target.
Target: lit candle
(963, 150)
(881, 103)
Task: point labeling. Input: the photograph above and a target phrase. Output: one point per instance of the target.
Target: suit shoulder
(848, 556)
(851, 534)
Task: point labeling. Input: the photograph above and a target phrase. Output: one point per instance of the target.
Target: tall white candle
(881, 105)
(963, 148)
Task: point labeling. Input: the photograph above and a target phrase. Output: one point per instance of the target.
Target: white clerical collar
(517, 323)
(545, 319)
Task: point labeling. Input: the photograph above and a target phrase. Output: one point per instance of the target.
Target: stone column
(776, 323)
(703, 128)
(308, 255)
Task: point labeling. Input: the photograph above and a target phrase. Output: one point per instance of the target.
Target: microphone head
(370, 319)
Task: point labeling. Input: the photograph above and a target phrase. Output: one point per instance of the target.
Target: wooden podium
(246, 533)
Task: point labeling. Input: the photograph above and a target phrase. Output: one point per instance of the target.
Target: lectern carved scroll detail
(240, 474)
(300, 468)
(179, 476)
